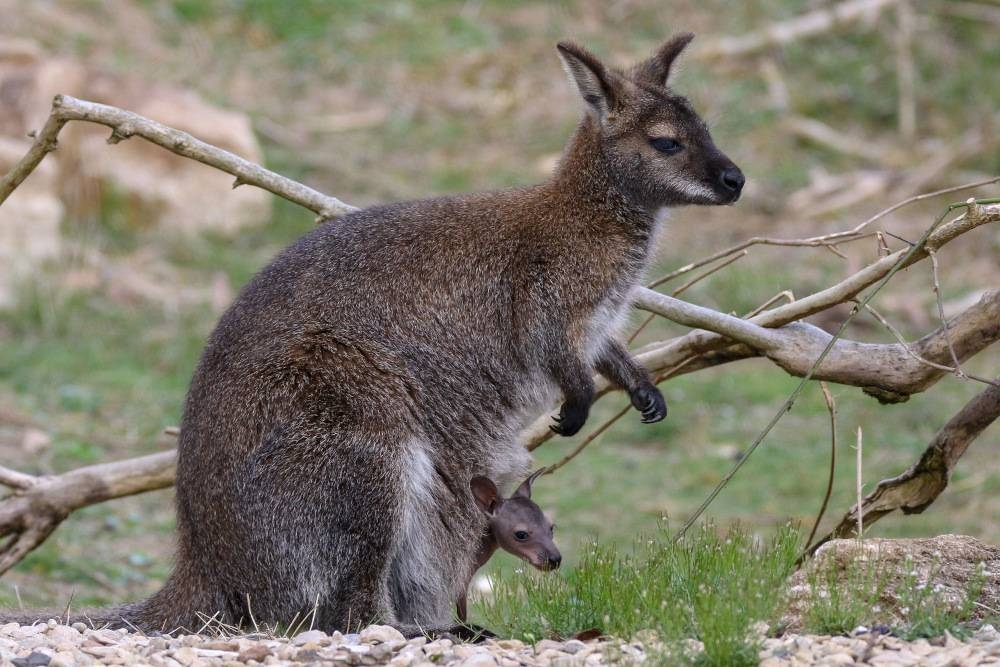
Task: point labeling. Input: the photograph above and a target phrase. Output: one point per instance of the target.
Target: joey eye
(666, 145)
(521, 535)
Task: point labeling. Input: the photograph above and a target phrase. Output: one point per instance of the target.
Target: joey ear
(524, 491)
(486, 494)
(656, 70)
(595, 83)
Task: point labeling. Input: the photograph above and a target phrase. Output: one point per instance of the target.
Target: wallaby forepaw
(570, 419)
(649, 401)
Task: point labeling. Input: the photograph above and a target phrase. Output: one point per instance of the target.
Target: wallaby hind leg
(328, 494)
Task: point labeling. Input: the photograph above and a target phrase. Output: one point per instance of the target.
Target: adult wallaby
(383, 360)
(516, 524)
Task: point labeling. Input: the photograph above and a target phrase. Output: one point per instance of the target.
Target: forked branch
(38, 505)
(915, 489)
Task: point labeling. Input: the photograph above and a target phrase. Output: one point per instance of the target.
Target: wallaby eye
(666, 145)
(521, 535)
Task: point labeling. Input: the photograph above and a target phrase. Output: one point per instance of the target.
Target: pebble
(55, 645)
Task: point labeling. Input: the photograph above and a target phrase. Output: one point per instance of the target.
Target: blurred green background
(375, 102)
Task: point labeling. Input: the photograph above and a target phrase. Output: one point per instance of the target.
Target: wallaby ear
(656, 70)
(596, 84)
(486, 493)
(524, 491)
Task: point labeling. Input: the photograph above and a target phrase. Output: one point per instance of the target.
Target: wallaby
(384, 359)
(516, 524)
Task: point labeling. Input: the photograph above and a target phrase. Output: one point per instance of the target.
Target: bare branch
(914, 490)
(31, 513)
(831, 406)
(125, 124)
(800, 27)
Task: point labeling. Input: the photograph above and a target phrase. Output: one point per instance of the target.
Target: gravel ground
(61, 645)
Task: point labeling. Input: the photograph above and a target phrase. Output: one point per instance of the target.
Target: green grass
(709, 585)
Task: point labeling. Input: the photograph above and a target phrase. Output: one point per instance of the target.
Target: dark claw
(570, 419)
(649, 401)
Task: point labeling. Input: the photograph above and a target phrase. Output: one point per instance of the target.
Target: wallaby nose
(733, 179)
(555, 561)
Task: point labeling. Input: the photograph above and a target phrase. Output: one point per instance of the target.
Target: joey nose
(555, 561)
(732, 179)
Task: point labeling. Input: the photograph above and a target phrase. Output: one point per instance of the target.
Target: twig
(831, 407)
(800, 27)
(834, 238)
(15, 479)
(785, 295)
(824, 135)
(943, 332)
(906, 72)
(125, 124)
(857, 484)
(590, 438)
(940, 308)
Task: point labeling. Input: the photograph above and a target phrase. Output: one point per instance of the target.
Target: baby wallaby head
(517, 523)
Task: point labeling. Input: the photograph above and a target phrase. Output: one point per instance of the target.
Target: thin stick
(15, 479)
(590, 438)
(857, 464)
(927, 362)
(906, 72)
(940, 307)
(784, 295)
(848, 235)
(831, 407)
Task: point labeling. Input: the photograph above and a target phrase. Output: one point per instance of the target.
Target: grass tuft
(711, 586)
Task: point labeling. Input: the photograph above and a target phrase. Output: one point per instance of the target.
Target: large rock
(152, 186)
(947, 565)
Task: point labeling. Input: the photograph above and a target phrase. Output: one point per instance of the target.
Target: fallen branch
(38, 505)
(125, 124)
(785, 32)
(914, 490)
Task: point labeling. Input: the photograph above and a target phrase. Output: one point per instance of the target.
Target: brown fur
(384, 359)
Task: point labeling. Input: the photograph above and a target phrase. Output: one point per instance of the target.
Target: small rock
(417, 641)
(380, 634)
(255, 652)
(79, 627)
(185, 655)
(573, 646)
(510, 644)
(315, 636)
(547, 645)
(836, 659)
(63, 659)
(480, 659)
(36, 659)
(401, 660)
(987, 633)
